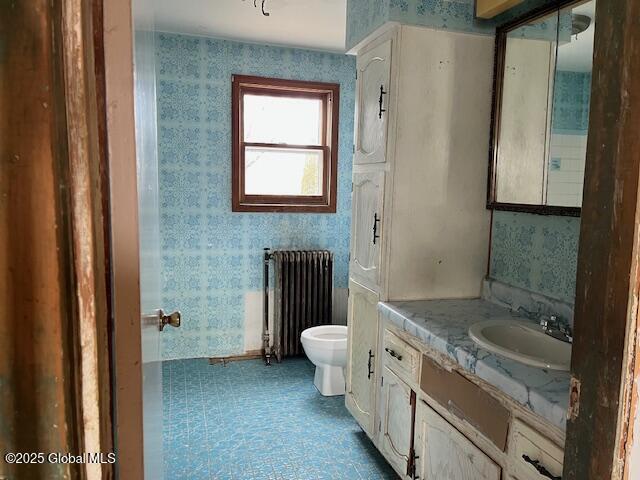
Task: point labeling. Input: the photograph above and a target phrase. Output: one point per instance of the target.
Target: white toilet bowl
(326, 347)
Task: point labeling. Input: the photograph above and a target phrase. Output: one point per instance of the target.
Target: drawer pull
(370, 364)
(541, 470)
(393, 353)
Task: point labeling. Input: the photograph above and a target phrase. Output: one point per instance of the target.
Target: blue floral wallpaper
(364, 16)
(536, 252)
(571, 97)
(210, 256)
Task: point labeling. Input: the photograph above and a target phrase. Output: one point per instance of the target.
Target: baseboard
(250, 355)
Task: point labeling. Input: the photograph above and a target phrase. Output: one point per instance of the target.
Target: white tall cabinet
(420, 228)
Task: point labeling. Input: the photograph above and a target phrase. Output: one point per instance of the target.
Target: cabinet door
(372, 109)
(524, 121)
(443, 453)
(396, 421)
(366, 234)
(362, 321)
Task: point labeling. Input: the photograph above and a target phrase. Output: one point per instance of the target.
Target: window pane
(296, 121)
(270, 171)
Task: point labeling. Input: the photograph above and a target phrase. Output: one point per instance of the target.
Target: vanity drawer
(533, 454)
(467, 401)
(400, 357)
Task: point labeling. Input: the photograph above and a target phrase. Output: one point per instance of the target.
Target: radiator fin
(303, 296)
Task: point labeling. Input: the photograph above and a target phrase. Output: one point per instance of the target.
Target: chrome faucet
(554, 328)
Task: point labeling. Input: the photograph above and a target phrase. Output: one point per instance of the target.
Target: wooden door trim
(84, 107)
(604, 360)
(125, 262)
(54, 343)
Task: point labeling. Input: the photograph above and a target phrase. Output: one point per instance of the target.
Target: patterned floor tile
(248, 421)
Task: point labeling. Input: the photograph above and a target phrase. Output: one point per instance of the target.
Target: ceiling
(314, 24)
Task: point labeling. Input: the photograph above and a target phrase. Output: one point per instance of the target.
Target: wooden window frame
(329, 94)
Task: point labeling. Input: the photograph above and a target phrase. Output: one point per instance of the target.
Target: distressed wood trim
(87, 235)
(250, 355)
(607, 283)
(35, 377)
(632, 438)
(54, 353)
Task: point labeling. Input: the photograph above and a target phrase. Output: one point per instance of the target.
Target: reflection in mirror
(541, 110)
(522, 137)
(571, 95)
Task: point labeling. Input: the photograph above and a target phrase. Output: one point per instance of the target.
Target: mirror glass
(541, 113)
(571, 95)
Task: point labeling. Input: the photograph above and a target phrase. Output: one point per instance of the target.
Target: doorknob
(172, 319)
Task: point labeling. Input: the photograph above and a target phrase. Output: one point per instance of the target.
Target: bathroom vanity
(443, 407)
(435, 403)
(475, 413)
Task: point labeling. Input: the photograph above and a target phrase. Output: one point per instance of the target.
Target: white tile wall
(566, 170)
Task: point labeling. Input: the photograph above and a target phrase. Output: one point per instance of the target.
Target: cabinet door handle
(414, 476)
(540, 469)
(393, 353)
(380, 101)
(376, 220)
(370, 364)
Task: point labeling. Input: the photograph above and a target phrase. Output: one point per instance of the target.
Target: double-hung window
(285, 145)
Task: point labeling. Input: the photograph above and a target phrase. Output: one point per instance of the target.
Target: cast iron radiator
(303, 294)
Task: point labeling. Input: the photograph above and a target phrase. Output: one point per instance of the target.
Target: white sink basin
(522, 342)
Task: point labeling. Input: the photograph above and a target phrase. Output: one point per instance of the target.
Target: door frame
(54, 250)
(117, 34)
(606, 360)
(605, 363)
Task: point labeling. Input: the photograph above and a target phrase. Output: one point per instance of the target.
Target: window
(285, 145)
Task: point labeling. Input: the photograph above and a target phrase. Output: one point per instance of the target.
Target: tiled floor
(248, 421)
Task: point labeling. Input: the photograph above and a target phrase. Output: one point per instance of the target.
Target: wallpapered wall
(536, 252)
(211, 257)
(572, 92)
(364, 16)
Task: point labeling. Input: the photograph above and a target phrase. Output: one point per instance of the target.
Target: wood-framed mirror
(540, 116)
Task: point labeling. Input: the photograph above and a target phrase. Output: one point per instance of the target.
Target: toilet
(326, 347)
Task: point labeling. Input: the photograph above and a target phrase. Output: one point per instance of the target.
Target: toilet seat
(333, 337)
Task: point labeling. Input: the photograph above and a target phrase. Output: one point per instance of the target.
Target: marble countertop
(443, 325)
